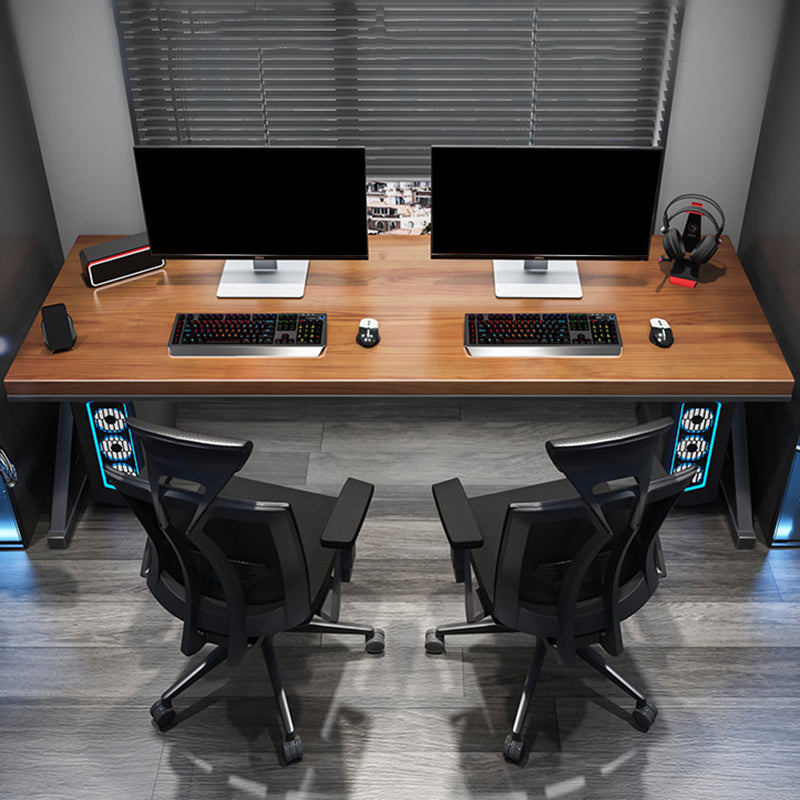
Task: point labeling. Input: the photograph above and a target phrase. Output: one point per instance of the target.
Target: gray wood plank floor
(84, 650)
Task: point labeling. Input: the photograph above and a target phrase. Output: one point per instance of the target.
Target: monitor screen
(543, 203)
(268, 210)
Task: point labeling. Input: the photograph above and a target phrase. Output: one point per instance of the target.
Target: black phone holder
(57, 328)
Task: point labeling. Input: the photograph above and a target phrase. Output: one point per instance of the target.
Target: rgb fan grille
(112, 438)
(694, 442)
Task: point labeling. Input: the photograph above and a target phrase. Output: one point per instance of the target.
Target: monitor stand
(535, 278)
(263, 278)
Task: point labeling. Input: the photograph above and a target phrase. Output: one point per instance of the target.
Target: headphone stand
(689, 250)
(684, 273)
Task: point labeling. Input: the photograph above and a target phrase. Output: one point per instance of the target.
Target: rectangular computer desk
(724, 349)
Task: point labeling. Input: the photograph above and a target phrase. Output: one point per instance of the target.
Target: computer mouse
(660, 332)
(368, 335)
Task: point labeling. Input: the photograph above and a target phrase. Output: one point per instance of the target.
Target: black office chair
(565, 561)
(239, 560)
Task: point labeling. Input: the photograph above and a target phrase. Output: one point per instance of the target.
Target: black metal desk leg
(736, 491)
(69, 480)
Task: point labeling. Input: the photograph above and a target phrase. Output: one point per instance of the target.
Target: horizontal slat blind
(602, 73)
(398, 78)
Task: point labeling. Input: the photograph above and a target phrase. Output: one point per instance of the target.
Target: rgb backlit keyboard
(294, 335)
(550, 335)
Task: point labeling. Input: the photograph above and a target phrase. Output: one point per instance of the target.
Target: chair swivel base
(643, 715)
(164, 715)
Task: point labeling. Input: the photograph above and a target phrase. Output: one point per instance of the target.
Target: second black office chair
(565, 561)
(239, 560)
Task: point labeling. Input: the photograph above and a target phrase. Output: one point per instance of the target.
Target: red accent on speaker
(122, 255)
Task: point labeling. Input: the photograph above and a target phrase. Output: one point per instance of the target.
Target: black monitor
(266, 210)
(536, 210)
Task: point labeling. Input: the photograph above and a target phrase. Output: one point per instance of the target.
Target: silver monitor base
(558, 279)
(240, 279)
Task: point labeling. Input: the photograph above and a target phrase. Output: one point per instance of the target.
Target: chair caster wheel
(512, 749)
(292, 749)
(377, 642)
(644, 715)
(163, 714)
(434, 642)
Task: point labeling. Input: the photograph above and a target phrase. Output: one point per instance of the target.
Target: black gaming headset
(673, 240)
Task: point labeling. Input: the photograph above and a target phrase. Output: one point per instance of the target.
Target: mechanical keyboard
(544, 335)
(292, 335)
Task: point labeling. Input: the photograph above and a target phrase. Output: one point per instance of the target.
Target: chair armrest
(458, 521)
(348, 514)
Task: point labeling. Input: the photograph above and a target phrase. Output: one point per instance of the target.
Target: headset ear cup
(705, 249)
(673, 244)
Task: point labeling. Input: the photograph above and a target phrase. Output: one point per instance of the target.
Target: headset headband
(693, 210)
(703, 212)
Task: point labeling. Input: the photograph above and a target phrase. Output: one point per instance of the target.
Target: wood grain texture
(85, 650)
(724, 347)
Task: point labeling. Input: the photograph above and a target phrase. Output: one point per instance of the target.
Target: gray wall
(770, 243)
(770, 252)
(70, 56)
(30, 257)
(724, 69)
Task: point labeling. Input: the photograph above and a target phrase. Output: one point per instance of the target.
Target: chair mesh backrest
(178, 504)
(613, 523)
(589, 461)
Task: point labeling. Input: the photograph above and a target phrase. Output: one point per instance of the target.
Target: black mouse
(660, 332)
(368, 335)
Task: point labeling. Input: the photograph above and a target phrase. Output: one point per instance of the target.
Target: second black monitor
(535, 211)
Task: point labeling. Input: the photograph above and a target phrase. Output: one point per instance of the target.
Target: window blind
(399, 77)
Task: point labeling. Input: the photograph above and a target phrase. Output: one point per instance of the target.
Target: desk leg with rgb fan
(90, 435)
(712, 436)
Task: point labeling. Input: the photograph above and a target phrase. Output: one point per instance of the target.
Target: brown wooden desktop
(724, 348)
